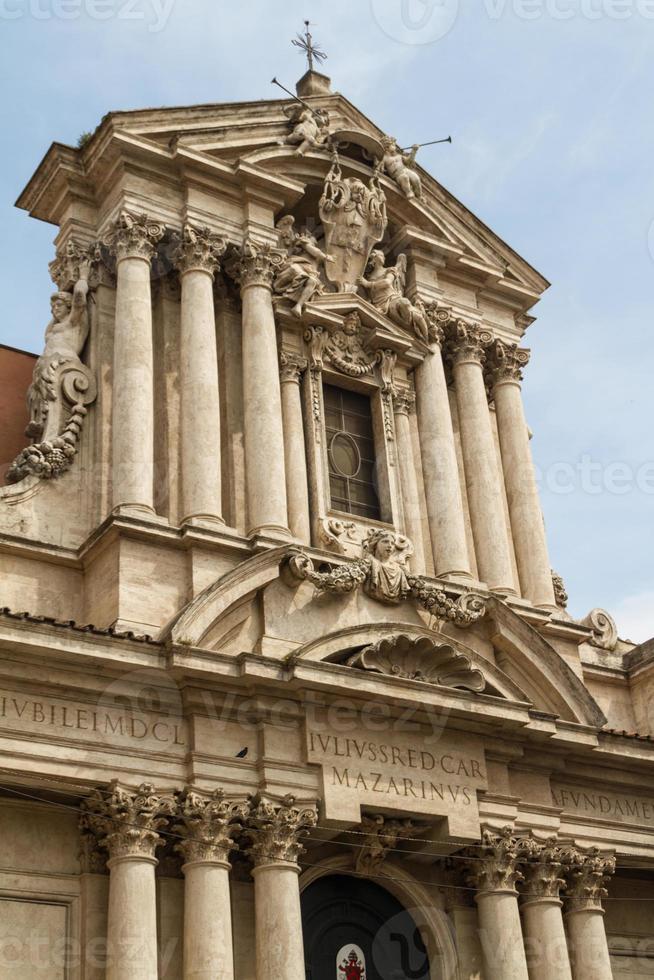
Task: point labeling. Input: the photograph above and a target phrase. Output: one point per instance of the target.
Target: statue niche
(61, 386)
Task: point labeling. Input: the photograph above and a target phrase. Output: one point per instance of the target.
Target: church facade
(332, 717)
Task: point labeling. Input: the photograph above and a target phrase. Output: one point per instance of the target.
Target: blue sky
(550, 106)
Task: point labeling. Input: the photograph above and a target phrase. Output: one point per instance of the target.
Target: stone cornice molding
(275, 830)
(404, 401)
(198, 249)
(467, 342)
(126, 821)
(134, 236)
(587, 874)
(291, 366)
(255, 264)
(208, 825)
(506, 362)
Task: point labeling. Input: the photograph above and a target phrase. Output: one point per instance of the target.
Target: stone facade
(279, 460)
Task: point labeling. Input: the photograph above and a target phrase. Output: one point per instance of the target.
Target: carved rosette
(291, 367)
(126, 822)
(134, 236)
(506, 362)
(404, 402)
(543, 873)
(494, 866)
(588, 873)
(378, 837)
(468, 342)
(256, 264)
(208, 825)
(198, 249)
(275, 830)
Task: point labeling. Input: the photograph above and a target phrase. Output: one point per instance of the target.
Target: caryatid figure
(299, 279)
(400, 167)
(65, 337)
(386, 288)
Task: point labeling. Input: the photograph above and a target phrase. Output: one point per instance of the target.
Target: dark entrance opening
(352, 925)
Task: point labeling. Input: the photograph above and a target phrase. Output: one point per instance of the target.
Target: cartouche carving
(298, 278)
(134, 236)
(400, 167)
(345, 348)
(208, 825)
(379, 836)
(386, 286)
(198, 248)
(276, 829)
(310, 127)
(126, 821)
(420, 659)
(62, 387)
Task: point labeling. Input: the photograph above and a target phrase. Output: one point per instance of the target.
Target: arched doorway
(355, 930)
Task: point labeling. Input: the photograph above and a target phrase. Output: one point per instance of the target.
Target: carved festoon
(400, 167)
(420, 659)
(126, 822)
(378, 836)
(134, 236)
(208, 825)
(198, 248)
(587, 873)
(62, 386)
(309, 127)
(605, 631)
(386, 286)
(275, 830)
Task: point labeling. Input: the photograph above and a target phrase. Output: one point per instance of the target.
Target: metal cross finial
(305, 43)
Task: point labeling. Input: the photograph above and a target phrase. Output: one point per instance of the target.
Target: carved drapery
(275, 830)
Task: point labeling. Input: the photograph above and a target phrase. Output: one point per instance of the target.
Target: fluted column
(132, 240)
(275, 830)
(439, 463)
(468, 351)
(292, 366)
(588, 875)
(208, 825)
(127, 823)
(527, 527)
(404, 402)
(264, 434)
(494, 873)
(196, 257)
(545, 939)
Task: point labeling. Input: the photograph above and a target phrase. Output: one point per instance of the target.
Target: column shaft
(208, 948)
(589, 948)
(278, 922)
(527, 525)
(295, 453)
(501, 936)
(403, 404)
(489, 528)
(545, 939)
(132, 920)
(440, 469)
(199, 400)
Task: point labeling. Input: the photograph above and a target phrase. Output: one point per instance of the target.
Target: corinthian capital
(256, 264)
(588, 873)
(437, 320)
(208, 825)
(127, 821)
(291, 366)
(494, 866)
(198, 249)
(134, 236)
(404, 401)
(468, 342)
(506, 362)
(543, 871)
(275, 830)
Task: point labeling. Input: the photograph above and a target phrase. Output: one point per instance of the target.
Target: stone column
(527, 527)
(264, 434)
(208, 826)
(127, 823)
(292, 366)
(494, 873)
(468, 351)
(439, 463)
(587, 875)
(132, 240)
(196, 258)
(545, 939)
(275, 830)
(404, 402)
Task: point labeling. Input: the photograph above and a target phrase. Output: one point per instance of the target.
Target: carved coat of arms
(354, 218)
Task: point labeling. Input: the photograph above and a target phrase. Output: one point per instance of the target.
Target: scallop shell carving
(420, 659)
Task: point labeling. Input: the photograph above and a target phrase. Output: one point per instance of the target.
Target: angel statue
(400, 167)
(386, 285)
(310, 127)
(299, 277)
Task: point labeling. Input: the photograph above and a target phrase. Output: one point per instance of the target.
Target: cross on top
(305, 43)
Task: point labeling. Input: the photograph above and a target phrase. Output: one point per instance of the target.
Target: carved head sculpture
(60, 304)
(351, 323)
(382, 545)
(390, 144)
(377, 259)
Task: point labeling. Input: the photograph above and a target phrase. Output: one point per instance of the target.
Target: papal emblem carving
(354, 218)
